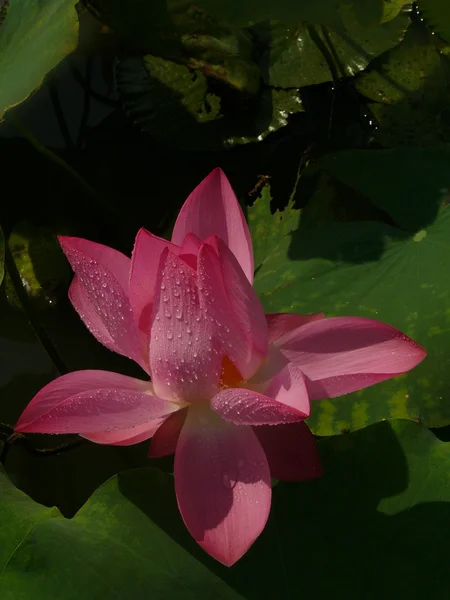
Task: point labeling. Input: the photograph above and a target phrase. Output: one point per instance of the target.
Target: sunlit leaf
(34, 37)
(268, 229)
(393, 274)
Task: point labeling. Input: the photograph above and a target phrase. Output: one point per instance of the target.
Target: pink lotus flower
(230, 387)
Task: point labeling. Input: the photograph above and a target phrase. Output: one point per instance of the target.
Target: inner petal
(230, 376)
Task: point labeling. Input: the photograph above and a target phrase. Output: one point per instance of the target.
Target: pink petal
(185, 364)
(213, 209)
(164, 441)
(100, 295)
(125, 437)
(189, 250)
(222, 482)
(281, 323)
(146, 256)
(88, 402)
(291, 451)
(239, 322)
(285, 401)
(340, 355)
(91, 318)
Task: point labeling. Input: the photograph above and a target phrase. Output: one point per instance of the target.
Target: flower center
(230, 376)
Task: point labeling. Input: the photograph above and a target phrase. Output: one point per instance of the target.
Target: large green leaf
(437, 14)
(34, 37)
(268, 229)
(177, 105)
(301, 54)
(379, 271)
(409, 89)
(371, 514)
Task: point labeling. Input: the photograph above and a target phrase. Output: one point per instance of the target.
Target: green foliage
(177, 106)
(35, 36)
(365, 232)
(437, 14)
(269, 229)
(372, 269)
(40, 264)
(410, 91)
(303, 54)
(129, 538)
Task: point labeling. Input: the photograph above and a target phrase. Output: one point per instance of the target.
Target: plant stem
(40, 332)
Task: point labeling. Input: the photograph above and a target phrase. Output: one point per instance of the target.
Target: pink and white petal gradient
(240, 325)
(340, 355)
(87, 402)
(99, 294)
(223, 486)
(285, 401)
(213, 209)
(184, 360)
(145, 262)
(291, 451)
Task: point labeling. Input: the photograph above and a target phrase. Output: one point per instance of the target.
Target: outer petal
(145, 260)
(285, 401)
(239, 322)
(164, 441)
(90, 316)
(343, 354)
(87, 402)
(184, 360)
(222, 482)
(100, 295)
(125, 437)
(291, 451)
(281, 323)
(213, 209)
